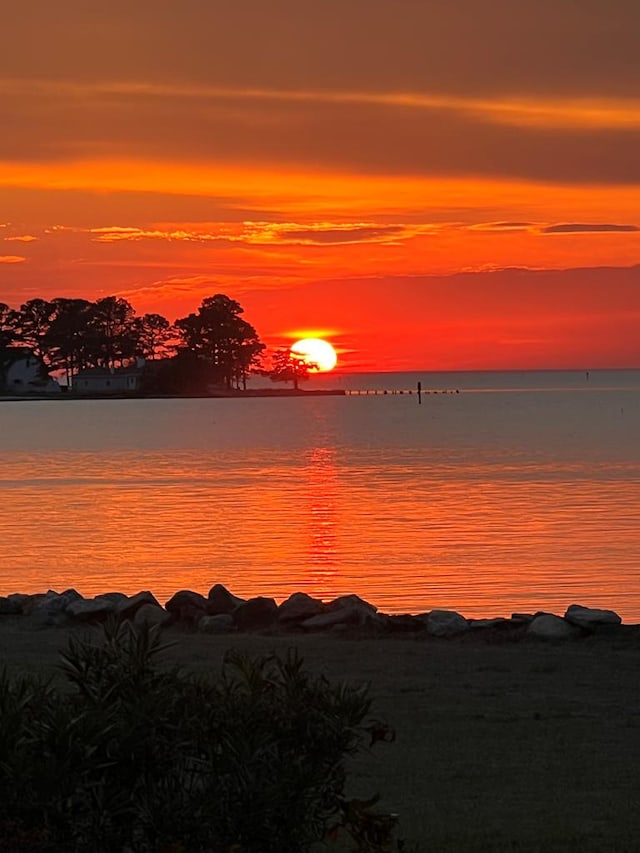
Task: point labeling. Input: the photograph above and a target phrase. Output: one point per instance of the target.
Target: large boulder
(220, 600)
(149, 615)
(498, 629)
(128, 608)
(91, 610)
(116, 597)
(547, 626)
(351, 602)
(20, 600)
(590, 617)
(495, 622)
(344, 612)
(186, 606)
(523, 618)
(9, 607)
(404, 623)
(445, 623)
(299, 607)
(256, 614)
(222, 623)
(330, 619)
(50, 609)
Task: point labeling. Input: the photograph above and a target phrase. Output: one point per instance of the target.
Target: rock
(186, 606)
(50, 609)
(445, 623)
(546, 626)
(188, 616)
(91, 610)
(347, 610)
(9, 607)
(523, 617)
(19, 600)
(404, 623)
(497, 622)
(299, 607)
(590, 617)
(31, 602)
(328, 620)
(255, 614)
(128, 608)
(220, 600)
(353, 615)
(222, 623)
(351, 602)
(116, 597)
(185, 597)
(68, 595)
(150, 614)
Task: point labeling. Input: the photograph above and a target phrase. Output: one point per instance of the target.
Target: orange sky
(425, 186)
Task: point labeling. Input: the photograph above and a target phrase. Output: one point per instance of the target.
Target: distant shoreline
(218, 395)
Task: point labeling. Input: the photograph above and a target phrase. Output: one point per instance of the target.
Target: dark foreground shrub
(145, 758)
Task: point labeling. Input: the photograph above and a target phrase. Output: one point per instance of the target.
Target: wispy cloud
(118, 233)
(12, 259)
(272, 233)
(502, 226)
(327, 233)
(555, 112)
(21, 238)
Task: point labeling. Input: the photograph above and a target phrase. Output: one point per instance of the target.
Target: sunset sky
(428, 184)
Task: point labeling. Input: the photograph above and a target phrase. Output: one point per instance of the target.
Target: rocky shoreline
(221, 612)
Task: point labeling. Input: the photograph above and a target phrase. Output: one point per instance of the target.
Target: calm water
(520, 492)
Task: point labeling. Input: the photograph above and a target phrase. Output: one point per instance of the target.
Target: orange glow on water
(463, 521)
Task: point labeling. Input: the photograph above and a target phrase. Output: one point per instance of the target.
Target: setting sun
(316, 352)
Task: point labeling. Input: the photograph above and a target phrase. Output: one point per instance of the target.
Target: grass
(520, 747)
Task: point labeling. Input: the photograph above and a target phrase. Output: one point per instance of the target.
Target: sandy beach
(501, 745)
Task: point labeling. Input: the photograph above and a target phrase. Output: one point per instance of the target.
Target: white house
(21, 372)
(103, 380)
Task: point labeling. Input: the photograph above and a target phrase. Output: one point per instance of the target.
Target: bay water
(499, 492)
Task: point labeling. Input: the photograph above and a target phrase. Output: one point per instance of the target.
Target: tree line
(213, 346)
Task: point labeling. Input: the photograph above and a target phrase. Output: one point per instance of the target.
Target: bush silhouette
(139, 757)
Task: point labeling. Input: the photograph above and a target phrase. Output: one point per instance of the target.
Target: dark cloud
(575, 47)
(340, 235)
(356, 137)
(588, 228)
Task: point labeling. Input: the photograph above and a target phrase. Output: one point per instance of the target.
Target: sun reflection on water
(322, 479)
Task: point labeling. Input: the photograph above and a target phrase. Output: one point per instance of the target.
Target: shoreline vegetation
(506, 739)
(105, 348)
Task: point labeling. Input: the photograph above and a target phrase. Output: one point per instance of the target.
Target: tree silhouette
(7, 335)
(30, 325)
(154, 335)
(68, 339)
(215, 345)
(286, 366)
(113, 335)
(223, 339)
